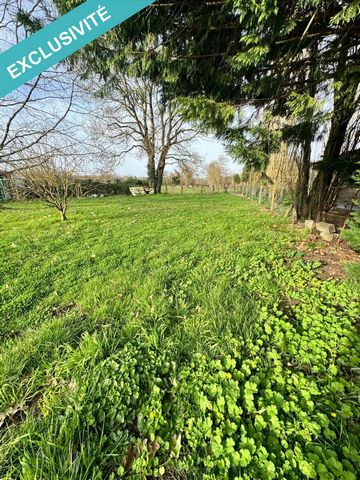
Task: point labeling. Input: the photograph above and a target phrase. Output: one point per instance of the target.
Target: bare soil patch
(332, 256)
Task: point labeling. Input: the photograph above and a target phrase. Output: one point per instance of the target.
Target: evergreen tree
(238, 53)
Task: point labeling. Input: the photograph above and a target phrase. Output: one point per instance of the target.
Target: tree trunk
(151, 171)
(159, 178)
(327, 173)
(63, 215)
(302, 195)
(252, 194)
(289, 211)
(344, 109)
(273, 198)
(159, 174)
(302, 207)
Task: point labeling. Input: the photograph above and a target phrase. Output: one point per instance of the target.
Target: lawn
(172, 337)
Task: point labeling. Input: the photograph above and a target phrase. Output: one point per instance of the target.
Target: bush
(117, 187)
(352, 232)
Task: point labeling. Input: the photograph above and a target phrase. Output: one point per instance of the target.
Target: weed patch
(196, 342)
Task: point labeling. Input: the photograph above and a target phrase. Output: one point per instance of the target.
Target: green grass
(124, 260)
(133, 289)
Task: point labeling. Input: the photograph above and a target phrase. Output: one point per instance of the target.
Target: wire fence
(276, 199)
(270, 196)
(194, 189)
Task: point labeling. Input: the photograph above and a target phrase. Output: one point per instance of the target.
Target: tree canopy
(299, 60)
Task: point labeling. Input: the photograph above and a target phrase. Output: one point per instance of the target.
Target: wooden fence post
(273, 198)
(252, 189)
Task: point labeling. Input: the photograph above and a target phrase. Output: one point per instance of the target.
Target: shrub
(117, 187)
(352, 233)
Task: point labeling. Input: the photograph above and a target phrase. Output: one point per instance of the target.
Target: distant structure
(4, 186)
(10, 186)
(344, 201)
(135, 191)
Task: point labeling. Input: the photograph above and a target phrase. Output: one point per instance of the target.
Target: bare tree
(31, 115)
(19, 18)
(217, 173)
(30, 118)
(187, 171)
(283, 171)
(138, 120)
(55, 182)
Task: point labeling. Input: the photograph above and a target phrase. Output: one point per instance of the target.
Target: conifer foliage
(297, 59)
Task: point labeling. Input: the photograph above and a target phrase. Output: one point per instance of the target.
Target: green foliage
(252, 145)
(237, 178)
(117, 187)
(303, 106)
(348, 13)
(352, 232)
(224, 56)
(212, 115)
(30, 23)
(251, 57)
(172, 346)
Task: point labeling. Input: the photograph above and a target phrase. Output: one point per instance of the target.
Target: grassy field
(172, 337)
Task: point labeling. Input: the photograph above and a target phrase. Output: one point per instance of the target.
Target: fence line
(270, 196)
(195, 189)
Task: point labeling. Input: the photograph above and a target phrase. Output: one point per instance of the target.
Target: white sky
(208, 147)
